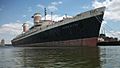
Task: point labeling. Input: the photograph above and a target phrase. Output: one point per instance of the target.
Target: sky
(14, 13)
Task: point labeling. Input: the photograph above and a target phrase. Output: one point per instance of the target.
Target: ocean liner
(80, 30)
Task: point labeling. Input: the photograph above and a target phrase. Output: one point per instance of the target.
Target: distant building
(2, 43)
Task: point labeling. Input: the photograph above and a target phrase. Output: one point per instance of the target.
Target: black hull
(82, 29)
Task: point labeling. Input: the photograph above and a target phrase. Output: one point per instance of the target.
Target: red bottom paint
(76, 42)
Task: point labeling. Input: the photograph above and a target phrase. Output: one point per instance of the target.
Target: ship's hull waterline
(67, 43)
(83, 32)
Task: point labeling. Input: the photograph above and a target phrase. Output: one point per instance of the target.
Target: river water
(61, 57)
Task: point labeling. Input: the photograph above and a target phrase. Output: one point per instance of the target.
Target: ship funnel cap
(37, 18)
(36, 14)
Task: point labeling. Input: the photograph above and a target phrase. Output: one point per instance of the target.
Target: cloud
(41, 6)
(55, 17)
(115, 34)
(11, 30)
(24, 16)
(105, 29)
(110, 32)
(52, 8)
(60, 2)
(102, 30)
(85, 7)
(30, 23)
(56, 3)
(112, 9)
(29, 9)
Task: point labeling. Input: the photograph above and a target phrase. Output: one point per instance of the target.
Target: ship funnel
(25, 27)
(37, 18)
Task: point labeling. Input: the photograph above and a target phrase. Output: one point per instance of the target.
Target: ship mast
(45, 13)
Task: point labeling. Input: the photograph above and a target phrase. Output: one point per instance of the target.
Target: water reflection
(110, 56)
(64, 57)
(36, 57)
(79, 57)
